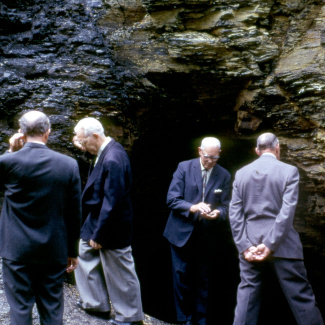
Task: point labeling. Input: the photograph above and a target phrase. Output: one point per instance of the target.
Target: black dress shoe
(116, 322)
(99, 314)
(187, 322)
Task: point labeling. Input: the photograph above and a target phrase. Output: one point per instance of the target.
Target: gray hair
(34, 123)
(90, 126)
(210, 142)
(267, 141)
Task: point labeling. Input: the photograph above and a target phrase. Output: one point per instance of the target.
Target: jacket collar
(97, 168)
(35, 145)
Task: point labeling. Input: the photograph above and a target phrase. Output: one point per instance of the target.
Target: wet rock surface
(160, 75)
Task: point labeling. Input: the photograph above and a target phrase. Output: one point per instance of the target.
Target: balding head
(34, 124)
(268, 142)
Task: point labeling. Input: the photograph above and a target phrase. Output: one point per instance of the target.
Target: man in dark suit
(106, 270)
(198, 197)
(39, 223)
(262, 208)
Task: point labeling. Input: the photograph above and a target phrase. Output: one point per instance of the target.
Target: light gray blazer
(262, 208)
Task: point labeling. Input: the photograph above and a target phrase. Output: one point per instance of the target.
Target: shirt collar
(102, 147)
(268, 154)
(202, 168)
(39, 142)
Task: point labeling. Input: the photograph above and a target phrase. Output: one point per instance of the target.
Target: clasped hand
(205, 210)
(257, 253)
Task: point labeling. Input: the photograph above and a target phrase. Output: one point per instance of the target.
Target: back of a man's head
(267, 141)
(34, 123)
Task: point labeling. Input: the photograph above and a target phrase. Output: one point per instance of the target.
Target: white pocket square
(217, 191)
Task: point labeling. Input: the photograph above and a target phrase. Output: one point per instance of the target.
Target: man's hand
(77, 144)
(250, 253)
(262, 252)
(16, 142)
(72, 264)
(95, 245)
(257, 253)
(212, 215)
(201, 207)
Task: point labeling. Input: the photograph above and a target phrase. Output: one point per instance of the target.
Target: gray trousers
(109, 275)
(292, 277)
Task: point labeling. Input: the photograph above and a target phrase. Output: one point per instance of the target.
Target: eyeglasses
(208, 156)
(82, 142)
(211, 157)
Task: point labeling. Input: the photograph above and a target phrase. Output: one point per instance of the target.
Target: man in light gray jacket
(261, 212)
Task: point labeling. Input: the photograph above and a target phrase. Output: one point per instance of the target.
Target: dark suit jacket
(262, 208)
(185, 190)
(41, 212)
(106, 199)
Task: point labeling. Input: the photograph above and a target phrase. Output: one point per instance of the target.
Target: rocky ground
(72, 314)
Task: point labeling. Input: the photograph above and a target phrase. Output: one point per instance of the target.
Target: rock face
(162, 74)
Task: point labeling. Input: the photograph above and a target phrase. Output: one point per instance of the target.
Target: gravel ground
(72, 314)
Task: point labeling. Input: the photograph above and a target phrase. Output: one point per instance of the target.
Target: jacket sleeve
(284, 219)
(175, 195)
(73, 214)
(223, 205)
(237, 219)
(115, 189)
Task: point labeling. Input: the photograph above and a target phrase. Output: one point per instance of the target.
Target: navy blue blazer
(106, 200)
(185, 190)
(41, 212)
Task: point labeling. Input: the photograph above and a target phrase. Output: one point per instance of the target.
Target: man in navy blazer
(106, 271)
(198, 197)
(39, 223)
(261, 213)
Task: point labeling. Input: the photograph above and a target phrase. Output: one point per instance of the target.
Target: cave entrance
(171, 131)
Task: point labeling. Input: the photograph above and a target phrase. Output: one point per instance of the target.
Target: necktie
(204, 181)
(92, 165)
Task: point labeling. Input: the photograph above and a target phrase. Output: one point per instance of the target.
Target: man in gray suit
(261, 212)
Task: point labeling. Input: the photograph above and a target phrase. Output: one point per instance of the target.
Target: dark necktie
(92, 165)
(204, 181)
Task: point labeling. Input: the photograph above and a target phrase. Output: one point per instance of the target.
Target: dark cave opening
(168, 138)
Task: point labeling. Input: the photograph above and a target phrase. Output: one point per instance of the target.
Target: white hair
(90, 126)
(210, 142)
(267, 141)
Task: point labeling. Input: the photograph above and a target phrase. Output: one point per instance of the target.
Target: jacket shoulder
(222, 170)
(62, 157)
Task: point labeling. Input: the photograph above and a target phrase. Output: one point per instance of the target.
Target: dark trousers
(292, 277)
(27, 284)
(190, 277)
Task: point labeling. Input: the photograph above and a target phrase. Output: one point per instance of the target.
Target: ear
(257, 152)
(47, 134)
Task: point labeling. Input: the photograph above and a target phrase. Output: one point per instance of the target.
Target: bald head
(34, 124)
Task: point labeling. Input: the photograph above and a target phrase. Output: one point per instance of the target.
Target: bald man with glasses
(198, 198)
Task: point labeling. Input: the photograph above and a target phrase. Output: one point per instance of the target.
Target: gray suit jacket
(262, 208)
